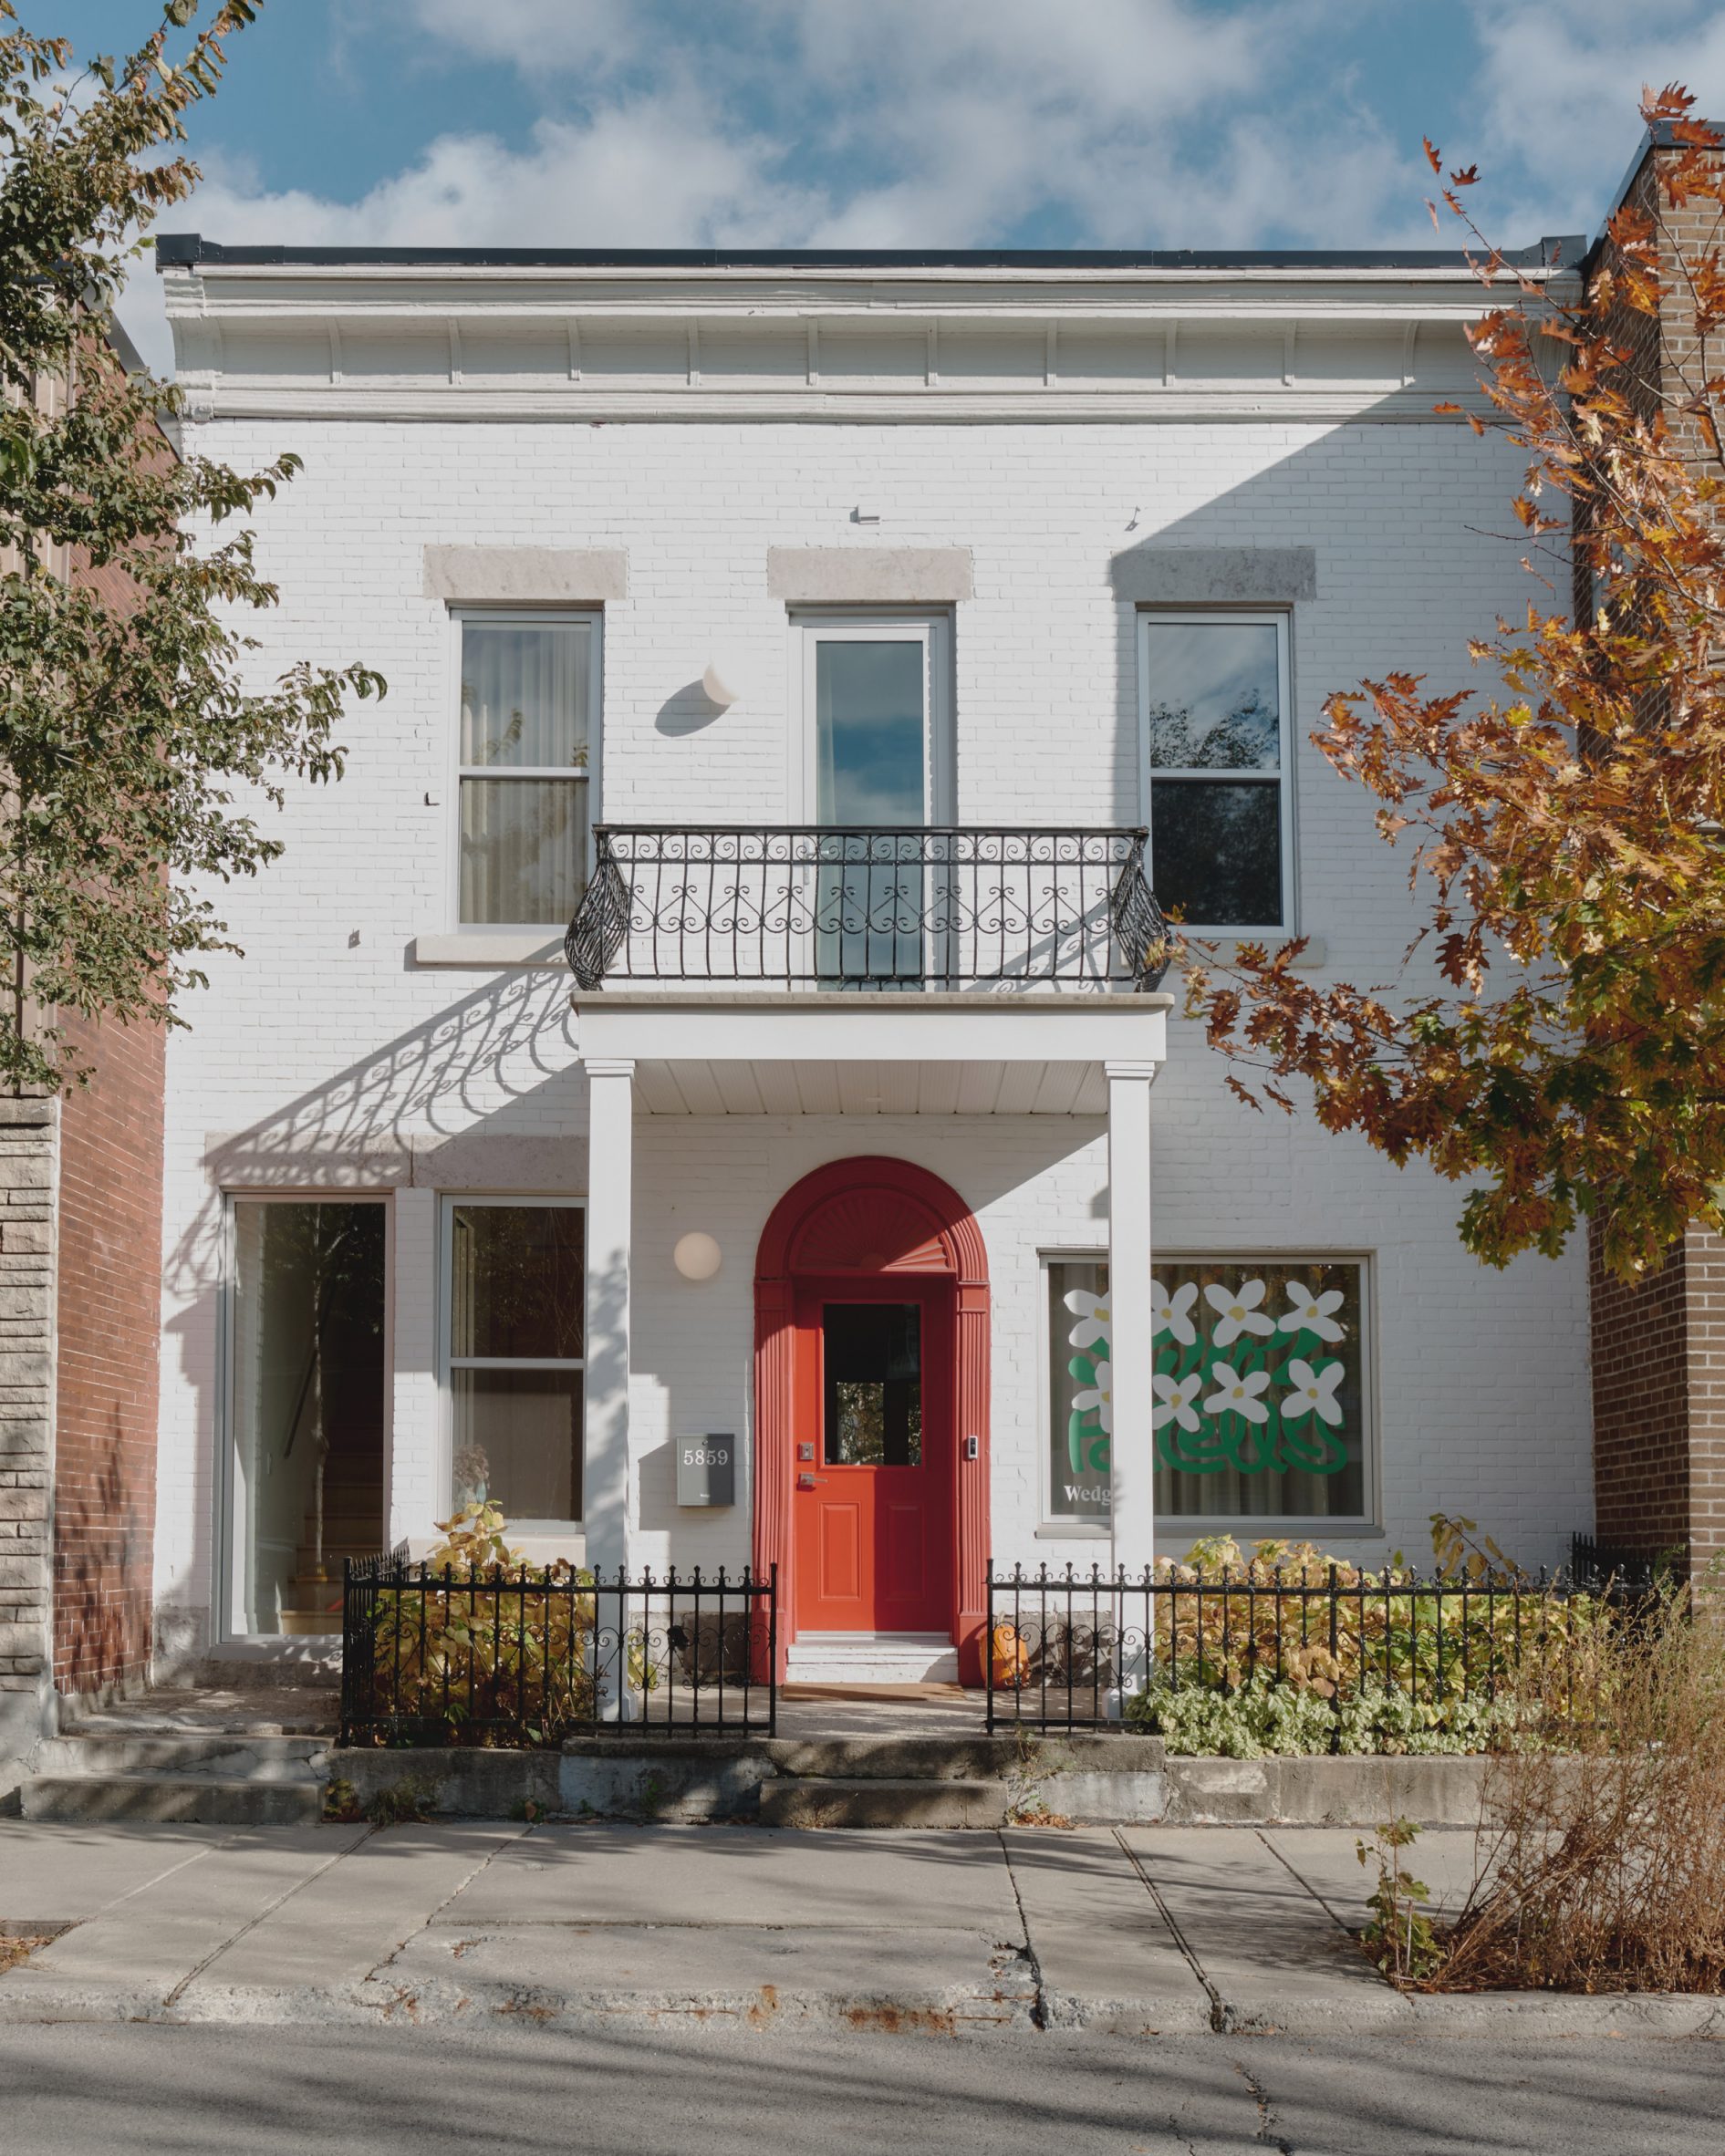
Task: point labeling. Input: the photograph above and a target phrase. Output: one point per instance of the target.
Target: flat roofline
(188, 250)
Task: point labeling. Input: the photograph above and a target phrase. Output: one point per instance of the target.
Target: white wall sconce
(697, 1257)
(716, 684)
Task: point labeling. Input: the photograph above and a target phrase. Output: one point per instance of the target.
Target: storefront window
(1260, 1389)
(515, 1358)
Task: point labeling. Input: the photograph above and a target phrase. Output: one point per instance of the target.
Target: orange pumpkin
(1011, 1658)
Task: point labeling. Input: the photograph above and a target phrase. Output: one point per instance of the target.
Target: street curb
(435, 2002)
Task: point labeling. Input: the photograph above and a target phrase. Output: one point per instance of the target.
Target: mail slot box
(706, 1469)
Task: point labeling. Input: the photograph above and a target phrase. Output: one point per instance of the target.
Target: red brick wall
(1641, 1405)
(1658, 1349)
(109, 1327)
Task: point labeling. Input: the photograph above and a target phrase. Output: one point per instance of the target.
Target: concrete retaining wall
(1094, 1781)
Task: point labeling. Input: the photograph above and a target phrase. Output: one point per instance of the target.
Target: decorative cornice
(553, 342)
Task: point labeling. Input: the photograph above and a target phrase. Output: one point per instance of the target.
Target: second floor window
(1214, 698)
(528, 745)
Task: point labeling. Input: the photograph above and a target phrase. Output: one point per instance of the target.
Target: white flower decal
(1177, 1396)
(1312, 1313)
(1236, 1393)
(1099, 1396)
(1170, 1313)
(1092, 1313)
(1313, 1388)
(1237, 1311)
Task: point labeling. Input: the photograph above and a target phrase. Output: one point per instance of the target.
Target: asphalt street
(268, 2091)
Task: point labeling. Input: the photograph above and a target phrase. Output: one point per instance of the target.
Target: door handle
(808, 1481)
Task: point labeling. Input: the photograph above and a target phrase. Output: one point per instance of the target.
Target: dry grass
(1603, 1852)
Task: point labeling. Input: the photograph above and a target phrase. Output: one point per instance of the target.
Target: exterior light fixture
(716, 687)
(697, 1257)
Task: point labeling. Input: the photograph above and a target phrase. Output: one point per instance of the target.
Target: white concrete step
(872, 1658)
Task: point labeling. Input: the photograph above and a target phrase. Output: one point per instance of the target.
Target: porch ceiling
(703, 1087)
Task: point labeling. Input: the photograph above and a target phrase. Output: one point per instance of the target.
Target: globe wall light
(697, 1257)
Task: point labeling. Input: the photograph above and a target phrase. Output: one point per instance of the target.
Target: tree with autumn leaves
(1557, 1037)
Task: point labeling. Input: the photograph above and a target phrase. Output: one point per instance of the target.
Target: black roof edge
(185, 250)
(1661, 135)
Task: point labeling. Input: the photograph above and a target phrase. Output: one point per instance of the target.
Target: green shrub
(1264, 1719)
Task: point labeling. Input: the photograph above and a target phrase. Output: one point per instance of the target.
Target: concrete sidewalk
(1133, 1931)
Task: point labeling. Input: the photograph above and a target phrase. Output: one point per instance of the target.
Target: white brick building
(966, 544)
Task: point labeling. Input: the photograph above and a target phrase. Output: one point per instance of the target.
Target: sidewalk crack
(269, 1908)
(1222, 2015)
(1039, 2007)
(461, 1887)
(1300, 1878)
(1266, 2134)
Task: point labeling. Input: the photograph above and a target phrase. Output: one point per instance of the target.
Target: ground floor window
(306, 1405)
(515, 1356)
(1260, 1388)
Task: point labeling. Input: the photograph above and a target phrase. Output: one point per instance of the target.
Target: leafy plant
(1400, 1937)
(488, 1649)
(131, 722)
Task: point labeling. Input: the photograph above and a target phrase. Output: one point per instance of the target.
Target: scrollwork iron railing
(829, 907)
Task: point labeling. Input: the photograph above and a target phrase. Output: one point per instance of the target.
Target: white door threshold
(872, 1658)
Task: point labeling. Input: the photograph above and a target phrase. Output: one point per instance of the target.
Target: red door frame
(872, 1217)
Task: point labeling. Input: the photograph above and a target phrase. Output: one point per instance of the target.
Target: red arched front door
(871, 1406)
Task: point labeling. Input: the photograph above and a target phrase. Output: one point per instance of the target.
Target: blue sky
(912, 122)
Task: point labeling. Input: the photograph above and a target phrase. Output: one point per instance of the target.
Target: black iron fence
(530, 1654)
(1072, 1649)
(825, 906)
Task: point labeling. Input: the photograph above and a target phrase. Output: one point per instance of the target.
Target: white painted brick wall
(312, 1061)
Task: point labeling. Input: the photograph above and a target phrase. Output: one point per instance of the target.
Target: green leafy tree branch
(135, 742)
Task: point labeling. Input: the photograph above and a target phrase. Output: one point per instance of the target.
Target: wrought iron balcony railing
(825, 907)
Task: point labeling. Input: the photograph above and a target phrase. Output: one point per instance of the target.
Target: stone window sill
(491, 947)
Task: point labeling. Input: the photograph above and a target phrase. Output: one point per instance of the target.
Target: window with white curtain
(528, 747)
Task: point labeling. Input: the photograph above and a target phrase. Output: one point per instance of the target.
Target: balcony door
(876, 766)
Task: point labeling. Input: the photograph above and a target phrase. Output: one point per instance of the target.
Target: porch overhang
(773, 1053)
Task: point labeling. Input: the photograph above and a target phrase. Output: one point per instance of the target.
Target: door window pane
(525, 712)
(870, 741)
(517, 1290)
(872, 1362)
(871, 775)
(307, 1407)
(1260, 1389)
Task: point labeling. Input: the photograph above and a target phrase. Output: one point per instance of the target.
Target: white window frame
(520, 617)
(930, 628)
(448, 1362)
(226, 1588)
(1179, 1527)
(1279, 620)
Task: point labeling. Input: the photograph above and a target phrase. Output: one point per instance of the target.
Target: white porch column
(609, 1195)
(418, 1466)
(1131, 1356)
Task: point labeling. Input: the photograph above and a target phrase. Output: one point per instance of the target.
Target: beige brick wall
(29, 1144)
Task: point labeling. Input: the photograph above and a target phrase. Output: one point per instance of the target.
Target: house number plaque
(706, 1469)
